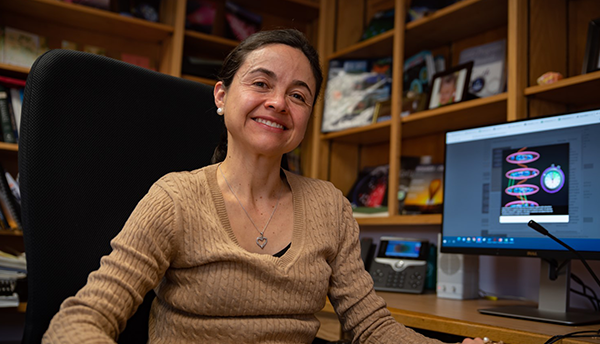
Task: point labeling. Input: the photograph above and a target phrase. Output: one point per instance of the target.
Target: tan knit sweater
(179, 241)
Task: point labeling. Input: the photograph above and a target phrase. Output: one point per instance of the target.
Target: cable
(578, 334)
(586, 296)
(536, 226)
(592, 297)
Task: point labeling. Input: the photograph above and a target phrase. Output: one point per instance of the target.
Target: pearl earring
(220, 111)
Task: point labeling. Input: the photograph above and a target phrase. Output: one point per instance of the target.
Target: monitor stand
(553, 306)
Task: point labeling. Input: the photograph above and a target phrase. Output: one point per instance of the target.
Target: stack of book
(12, 269)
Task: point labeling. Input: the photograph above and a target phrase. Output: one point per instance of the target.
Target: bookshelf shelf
(201, 42)
(205, 81)
(90, 19)
(7, 232)
(8, 69)
(380, 45)
(426, 219)
(471, 113)
(372, 133)
(455, 22)
(576, 90)
(9, 147)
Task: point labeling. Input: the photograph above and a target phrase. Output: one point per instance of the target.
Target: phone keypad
(408, 280)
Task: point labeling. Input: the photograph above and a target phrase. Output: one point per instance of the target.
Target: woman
(239, 251)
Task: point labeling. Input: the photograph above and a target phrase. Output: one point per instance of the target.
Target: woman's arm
(141, 255)
(361, 311)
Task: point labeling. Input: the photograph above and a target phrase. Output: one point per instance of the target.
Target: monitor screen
(499, 177)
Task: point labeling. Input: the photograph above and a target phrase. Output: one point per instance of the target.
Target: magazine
(354, 87)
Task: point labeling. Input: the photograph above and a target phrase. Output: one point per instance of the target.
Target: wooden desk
(457, 317)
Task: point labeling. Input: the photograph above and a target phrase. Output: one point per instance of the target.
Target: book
(12, 207)
(418, 72)
(1, 44)
(16, 100)
(408, 165)
(68, 45)
(22, 48)
(4, 219)
(200, 15)
(13, 265)
(138, 60)
(488, 75)
(354, 87)
(368, 195)
(14, 187)
(201, 67)
(241, 23)
(6, 124)
(422, 8)
(94, 50)
(381, 22)
(425, 192)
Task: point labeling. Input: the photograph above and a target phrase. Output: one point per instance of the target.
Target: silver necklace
(261, 240)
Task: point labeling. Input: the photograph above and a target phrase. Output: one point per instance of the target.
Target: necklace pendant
(261, 241)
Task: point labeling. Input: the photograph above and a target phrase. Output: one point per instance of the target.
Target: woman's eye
(260, 84)
(298, 96)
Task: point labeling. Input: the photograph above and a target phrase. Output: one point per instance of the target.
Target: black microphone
(545, 232)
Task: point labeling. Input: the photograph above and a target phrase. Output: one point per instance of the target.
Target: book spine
(5, 121)
(13, 208)
(16, 98)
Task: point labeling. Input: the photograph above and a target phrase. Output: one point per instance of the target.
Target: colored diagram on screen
(535, 183)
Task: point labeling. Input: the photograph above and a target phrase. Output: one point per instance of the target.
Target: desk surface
(460, 317)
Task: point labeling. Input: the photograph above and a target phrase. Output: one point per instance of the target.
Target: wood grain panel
(374, 155)
(350, 23)
(343, 165)
(432, 145)
(516, 106)
(548, 38)
(580, 14)
(460, 317)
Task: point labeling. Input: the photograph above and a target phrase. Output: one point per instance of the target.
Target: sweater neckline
(298, 220)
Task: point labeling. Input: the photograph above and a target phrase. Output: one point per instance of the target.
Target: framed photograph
(591, 59)
(450, 86)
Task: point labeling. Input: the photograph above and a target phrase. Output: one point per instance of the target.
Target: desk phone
(400, 265)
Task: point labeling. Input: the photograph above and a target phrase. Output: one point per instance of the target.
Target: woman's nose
(276, 102)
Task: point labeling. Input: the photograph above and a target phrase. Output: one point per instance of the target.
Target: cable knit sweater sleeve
(361, 311)
(140, 257)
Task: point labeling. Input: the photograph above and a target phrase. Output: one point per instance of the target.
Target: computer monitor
(499, 177)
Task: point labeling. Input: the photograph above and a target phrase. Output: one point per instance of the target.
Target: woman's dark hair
(237, 56)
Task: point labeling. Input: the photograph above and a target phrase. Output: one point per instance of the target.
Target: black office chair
(95, 134)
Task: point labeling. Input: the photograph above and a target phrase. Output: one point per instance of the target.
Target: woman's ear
(219, 92)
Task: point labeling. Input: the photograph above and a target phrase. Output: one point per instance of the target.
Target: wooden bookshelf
(539, 38)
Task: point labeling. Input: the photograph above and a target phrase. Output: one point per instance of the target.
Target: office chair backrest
(95, 134)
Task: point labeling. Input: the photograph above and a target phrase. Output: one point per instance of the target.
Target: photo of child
(449, 87)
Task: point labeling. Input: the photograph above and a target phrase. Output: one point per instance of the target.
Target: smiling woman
(240, 251)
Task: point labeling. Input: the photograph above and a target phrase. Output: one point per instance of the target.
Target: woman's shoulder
(313, 187)
(186, 180)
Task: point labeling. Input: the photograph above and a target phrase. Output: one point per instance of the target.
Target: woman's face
(269, 102)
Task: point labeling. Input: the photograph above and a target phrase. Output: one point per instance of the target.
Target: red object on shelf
(11, 82)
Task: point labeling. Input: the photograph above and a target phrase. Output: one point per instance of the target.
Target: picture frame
(383, 111)
(591, 59)
(450, 86)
